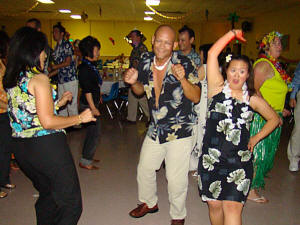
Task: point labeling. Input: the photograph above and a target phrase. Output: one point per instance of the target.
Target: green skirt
(264, 151)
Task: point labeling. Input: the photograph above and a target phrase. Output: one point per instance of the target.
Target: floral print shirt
(194, 56)
(61, 52)
(174, 118)
(135, 55)
(22, 110)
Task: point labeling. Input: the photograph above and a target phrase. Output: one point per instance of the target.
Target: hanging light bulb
(46, 1)
(152, 2)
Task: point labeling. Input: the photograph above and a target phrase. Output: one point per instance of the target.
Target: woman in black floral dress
(225, 166)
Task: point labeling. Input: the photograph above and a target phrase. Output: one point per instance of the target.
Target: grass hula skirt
(264, 151)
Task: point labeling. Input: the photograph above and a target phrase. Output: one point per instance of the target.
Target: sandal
(3, 194)
(260, 199)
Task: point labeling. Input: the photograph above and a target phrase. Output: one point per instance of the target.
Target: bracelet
(57, 106)
(80, 120)
(233, 31)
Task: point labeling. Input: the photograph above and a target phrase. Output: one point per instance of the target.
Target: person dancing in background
(40, 144)
(5, 129)
(293, 149)
(225, 166)
(65, 64)
(186, 38)
(270, 85)
(137, 38)
(90, 81)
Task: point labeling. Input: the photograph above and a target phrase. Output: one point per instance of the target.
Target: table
(107, 83)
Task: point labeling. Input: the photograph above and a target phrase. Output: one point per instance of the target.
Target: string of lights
(165, 16)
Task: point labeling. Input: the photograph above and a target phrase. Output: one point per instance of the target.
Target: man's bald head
(164, 42)
(168, 29)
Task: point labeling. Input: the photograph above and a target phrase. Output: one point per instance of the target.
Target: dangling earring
(245, 87)
(35, 70)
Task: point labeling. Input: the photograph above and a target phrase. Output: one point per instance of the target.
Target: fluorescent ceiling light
(148, 18)
(77, 17)
(152, 2)
(149, 13)
(64, 11)
(46, 1)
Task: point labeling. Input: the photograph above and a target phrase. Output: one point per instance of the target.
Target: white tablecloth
(106, 85)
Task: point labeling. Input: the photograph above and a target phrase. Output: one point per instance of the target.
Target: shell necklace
(160, 67)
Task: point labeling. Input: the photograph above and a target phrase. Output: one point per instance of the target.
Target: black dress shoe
(129, 122)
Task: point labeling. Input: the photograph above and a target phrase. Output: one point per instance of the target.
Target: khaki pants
(133, 102)
(71, 108)
(177, 157)
(293, 149)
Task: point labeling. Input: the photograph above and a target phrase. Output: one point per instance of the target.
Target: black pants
(5, 149)
(48, 163)
(91, 138)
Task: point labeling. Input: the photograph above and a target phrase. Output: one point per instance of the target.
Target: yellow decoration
(164, 16)
(267, 39)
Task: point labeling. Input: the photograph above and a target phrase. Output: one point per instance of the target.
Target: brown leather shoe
(9, 186)
(3, 194)
(142, 210)
(88, 167)
(177, 222)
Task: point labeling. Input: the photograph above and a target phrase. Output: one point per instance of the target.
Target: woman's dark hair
(86, 46)
(250, 80)
(24, 53)
(4, 40)
(204, 49)
(60, 27)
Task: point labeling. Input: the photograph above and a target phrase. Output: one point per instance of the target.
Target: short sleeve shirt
(174, 118)
(135, 55)
(194, 56)
(63, 50)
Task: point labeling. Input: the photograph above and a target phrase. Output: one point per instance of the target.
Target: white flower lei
(227, 91)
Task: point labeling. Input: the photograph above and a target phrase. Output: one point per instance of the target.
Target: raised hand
(178, 71)
(131, 76)
(87, 116)
(239, 35)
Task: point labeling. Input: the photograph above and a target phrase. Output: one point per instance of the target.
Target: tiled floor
(111, 192)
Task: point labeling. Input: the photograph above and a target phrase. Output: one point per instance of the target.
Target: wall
(102, 30)
(285, 21)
